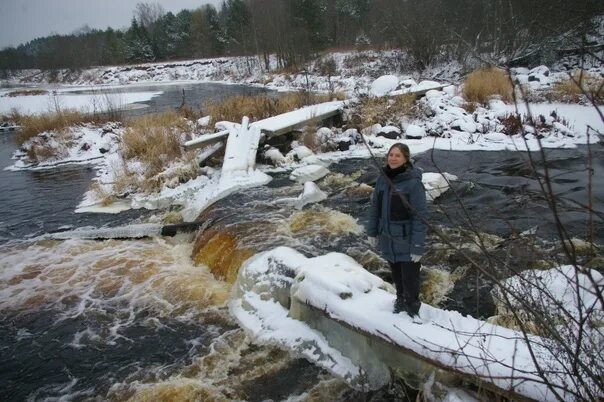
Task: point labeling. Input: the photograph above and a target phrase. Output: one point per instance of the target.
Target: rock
(390, 132)
(103, 150)
(275, 156)
(433, 94)
(383, 85)
(204, 121)
(415, 132)
(458, 101)
(540, 70)
(344, 145)
(308, 173)
(312, 193)
(85, 147)
(372, 130)
(495, 137)
(302, 151)
(408, 83)
(464, 125)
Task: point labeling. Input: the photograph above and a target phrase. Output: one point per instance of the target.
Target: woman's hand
(373, 241)
(416, 257)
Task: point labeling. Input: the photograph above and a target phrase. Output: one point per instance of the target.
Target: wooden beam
(291, 127)
(206, 139)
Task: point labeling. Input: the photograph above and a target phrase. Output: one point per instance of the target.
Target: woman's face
(396, 158)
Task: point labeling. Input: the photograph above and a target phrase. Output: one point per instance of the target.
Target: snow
(415, 131)
(345, 291)
(579, 117)
(296, 117)
(308, 173)
(436, 184)
(383, 85)
(62, 99)
(562, 282)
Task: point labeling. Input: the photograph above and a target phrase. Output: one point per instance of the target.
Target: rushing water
(117, 320)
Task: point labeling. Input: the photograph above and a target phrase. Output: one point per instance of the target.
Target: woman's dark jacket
(397, 223)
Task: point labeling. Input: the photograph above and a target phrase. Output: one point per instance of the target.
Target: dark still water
(499, 193)
(42, 201)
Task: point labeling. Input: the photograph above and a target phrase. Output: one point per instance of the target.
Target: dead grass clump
(35, 124)
(102, 194)
(385, 110)
(50, 146)
(234, 108)
(154, 140)
(309, 139)
(576, 86)
(480, 85)
(469, 107)
(512, 124)
(261, 106)
(189, 113)
(26, 92)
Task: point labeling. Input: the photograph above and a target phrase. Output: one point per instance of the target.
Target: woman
(397, 215)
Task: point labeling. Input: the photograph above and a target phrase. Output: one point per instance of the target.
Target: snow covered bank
(274, 288)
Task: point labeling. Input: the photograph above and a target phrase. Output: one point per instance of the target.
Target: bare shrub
(512, 124)
(480, 85)
(578, 85)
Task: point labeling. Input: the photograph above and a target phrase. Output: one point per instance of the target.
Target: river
(137, 319)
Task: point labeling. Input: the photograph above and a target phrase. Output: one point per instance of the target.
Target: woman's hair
(404, 150)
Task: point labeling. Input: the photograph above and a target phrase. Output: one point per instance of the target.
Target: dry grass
(36, 124)
(101, 192)
(384, 110)
(480, 85)
(154, 140)
(58, 120)
(261, 106)
(576, 86)
(49, 147)
(26, 92)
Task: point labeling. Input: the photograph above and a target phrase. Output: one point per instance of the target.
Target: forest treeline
(295, 30)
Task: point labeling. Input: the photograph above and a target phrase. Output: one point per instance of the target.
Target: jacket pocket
(398, 238)
(398, 209)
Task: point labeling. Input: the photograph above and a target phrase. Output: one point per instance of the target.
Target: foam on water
(77, 276)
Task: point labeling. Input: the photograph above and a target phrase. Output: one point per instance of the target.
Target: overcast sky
(24, 20)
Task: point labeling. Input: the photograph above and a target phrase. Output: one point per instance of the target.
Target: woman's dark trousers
(405, 275)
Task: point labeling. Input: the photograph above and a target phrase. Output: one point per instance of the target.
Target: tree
(137, 44)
